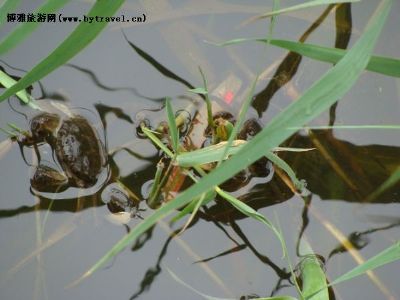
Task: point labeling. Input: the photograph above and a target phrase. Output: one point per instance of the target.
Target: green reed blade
(301, 6)
(314, 286)
(388, 255)
(7, 81)
(378, 64)
(285, 167)
(173, 130)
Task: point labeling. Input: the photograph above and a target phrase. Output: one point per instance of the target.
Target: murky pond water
(50, 239)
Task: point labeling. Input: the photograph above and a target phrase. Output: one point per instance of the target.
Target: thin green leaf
(284, 166)
(388, 255)
(213, 153)
(157, 141)
(348, 127)
(208, 154)
(249, 211)
(7, 81)
(314, 286)
(180, 281)
(23, 30)
(205, 296)
(208, 102)
(301, 6)
(173, 130)
(391, 181)
(192, 205)
(240, 119)
(379, 64)
(290, 149)
(326, 91)
(199, 90)
(72, 45)
(8, 7)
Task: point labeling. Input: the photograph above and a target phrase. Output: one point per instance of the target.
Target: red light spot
(228, 97)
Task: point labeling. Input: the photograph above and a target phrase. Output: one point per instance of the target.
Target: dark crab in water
(76, 146)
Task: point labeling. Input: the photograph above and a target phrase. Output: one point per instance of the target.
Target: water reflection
(286, 70)
(336, 170)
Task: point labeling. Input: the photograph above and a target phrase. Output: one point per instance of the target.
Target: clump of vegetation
(229, 154)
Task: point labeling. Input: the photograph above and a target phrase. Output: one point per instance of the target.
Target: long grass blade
(205, 296)
(249, 211)
(8, 6)
(23, 30)
(391, 181)
(240, 119)
(173, 130)
(72, 45)
(386, 256)
(284, 166)
(7, 81)
(314, 286)
(326, 91)
(378, 64)
(385, 127)
(157, 141)
(301, 6)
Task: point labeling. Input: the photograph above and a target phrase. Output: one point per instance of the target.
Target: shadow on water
(286, 70)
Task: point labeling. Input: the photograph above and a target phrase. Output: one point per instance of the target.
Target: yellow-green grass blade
(379, 64)
(388, 255)
(314, 280)
(72, 45)
(385, 127)
(314, 285)
(7, 81)
(391, 181)
(8, 6)
(23, 30)
(326, 91)
(250, 212)
(240, 119)
(173, 130)
(208, 154)
(284, 166)
(301, 6)
(208, 297)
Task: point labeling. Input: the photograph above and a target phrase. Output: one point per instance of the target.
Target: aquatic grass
(279, 162)
(340, 127)
(82, 36)
(208, 297)
(172, 128)
(325, 92)
(250, 212)
(204, 91)
(301, 6)
(7, 82)
(387, 256)
(391, 181)
(23, 30)
(240, 119)
(314, 282)
(378, 64)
